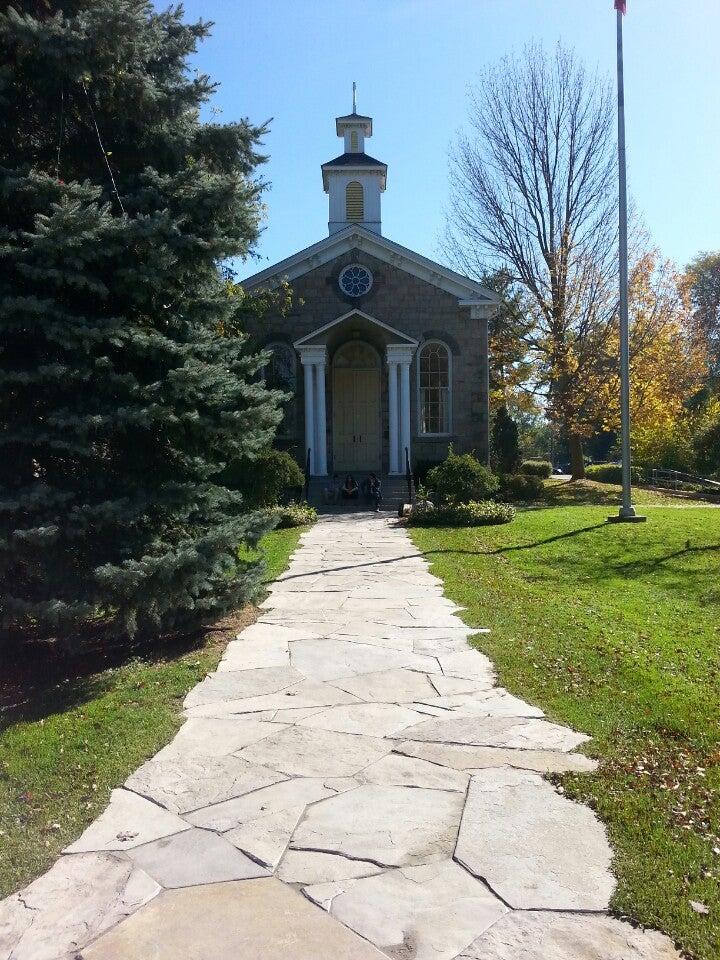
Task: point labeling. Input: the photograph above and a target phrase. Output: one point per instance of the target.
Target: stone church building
(384, 351)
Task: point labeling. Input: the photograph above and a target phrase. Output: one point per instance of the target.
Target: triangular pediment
(354, 237)
(319, 335)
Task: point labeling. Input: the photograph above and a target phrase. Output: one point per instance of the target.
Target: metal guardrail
(306, 489)
(676, 480)
(409, 477)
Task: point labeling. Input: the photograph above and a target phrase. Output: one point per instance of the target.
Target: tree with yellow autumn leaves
(667, 366)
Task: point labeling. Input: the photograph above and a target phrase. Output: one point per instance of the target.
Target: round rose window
(355, 280)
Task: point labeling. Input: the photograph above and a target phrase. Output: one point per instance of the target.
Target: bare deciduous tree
(533, 193)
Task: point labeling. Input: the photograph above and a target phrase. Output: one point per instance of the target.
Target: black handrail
(409, 478)
(307, 475)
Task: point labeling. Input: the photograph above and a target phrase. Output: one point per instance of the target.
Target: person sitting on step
(374, 487)
(350, 489)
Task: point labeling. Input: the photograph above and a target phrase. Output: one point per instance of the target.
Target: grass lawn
(70, 743)
(615, 630)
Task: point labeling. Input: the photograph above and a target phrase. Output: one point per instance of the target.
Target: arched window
(280, 374)
(354, 201)
(354, 141)
(434, 388)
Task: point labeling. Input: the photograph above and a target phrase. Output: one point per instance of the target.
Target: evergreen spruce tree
(125, 387)
(506, 448)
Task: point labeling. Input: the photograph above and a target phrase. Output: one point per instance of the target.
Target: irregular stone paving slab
(424, 913)
(215, 737)
(389, 686)
(457, 686)
(468, 665)
(251, 654)
(301, 866)
(126, 822)
(508, 732)
(258, 919)
(403, 771)
(400, 640)
(390, 826)
(290, 795)
(535, 848)
(192, 782)
(192, 858)
(301, 695)
(478, 758)
(299, 752)
(489, 703)
(75, 901)
(557, 936)
(335, 659)
(241, 684)
(265, 839)
(273, 633)
(371, 719)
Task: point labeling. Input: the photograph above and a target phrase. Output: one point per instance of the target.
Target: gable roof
(403, 337)
(353, 237)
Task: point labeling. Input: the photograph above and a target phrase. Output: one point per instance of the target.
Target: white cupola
(354, 180)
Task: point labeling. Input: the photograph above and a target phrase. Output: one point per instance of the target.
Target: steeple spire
(354, 105)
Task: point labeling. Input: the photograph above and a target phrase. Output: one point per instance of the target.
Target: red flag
(621, 5)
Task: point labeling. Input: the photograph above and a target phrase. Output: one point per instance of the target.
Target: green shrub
(296, 515)
(421, 469)
(265, 480)
(707, 448)
(523, 486)
(473, 514)
(611, 473)
(462, 478)
(505, 445)
(536, 468)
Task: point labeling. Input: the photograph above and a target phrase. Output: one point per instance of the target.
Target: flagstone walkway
(350, 784)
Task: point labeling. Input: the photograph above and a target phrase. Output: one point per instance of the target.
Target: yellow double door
(356, 420)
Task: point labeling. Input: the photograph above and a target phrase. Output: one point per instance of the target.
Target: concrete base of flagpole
(627, 516)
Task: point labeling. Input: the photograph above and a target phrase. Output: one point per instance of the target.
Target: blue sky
(295, 60)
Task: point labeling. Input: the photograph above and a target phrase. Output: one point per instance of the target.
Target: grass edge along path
(614, 630)
(57, 769)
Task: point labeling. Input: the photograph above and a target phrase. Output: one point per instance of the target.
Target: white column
(404, 412)
(399, 358)
(320, 419)
(309, 415)
(394, 440)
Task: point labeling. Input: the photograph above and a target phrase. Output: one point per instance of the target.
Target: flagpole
(627, 511)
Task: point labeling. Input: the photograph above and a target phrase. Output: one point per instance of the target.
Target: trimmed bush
(473, 514)
(611, 473)
(536, 468)
(296, 515)
(523, 486)
(265, 480)
(461, 478)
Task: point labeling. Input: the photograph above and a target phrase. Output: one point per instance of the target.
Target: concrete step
(394, 493)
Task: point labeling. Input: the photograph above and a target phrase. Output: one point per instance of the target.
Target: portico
(352, 400)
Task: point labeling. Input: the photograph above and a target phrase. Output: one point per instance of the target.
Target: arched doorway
(356, 408)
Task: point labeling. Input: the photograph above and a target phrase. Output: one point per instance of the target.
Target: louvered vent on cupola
(354, 201)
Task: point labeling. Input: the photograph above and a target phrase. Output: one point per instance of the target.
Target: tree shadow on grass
(518, 546)
(651, 564)
(39, 681)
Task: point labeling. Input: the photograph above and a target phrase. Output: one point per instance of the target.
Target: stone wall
(414, 307)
